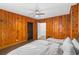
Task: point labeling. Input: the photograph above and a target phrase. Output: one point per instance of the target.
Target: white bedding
(29, 50)
(60, 41)
(53, 49)
(41, 47)
(38, 47)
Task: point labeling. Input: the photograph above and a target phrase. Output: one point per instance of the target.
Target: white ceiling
(50, 9)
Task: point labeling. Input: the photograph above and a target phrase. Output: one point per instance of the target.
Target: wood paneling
(0, 32)
(35, 30)
(74, 21)
(48, 24)
(65, 25)
(57, 27)
(13, 28)
(78, 20)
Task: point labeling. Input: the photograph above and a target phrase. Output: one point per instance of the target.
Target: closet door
(8, 30)
(5, 30)
(11, 29)
(19, 24)
(4, 33)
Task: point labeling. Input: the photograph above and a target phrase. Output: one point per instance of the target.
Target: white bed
(39, 47)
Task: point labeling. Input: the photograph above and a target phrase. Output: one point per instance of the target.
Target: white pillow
(76, 45)
(67, 41)
(40, 42)
(67, 47)
(59, 40)
(55, 40)
(50, 39)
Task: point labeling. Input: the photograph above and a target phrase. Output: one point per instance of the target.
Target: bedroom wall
(13, 28)
(64, 25)
(74, 12)
(57, 27)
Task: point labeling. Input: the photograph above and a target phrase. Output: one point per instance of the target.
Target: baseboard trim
(6, 46)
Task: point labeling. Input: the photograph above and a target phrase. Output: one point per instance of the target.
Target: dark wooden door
(30, 31)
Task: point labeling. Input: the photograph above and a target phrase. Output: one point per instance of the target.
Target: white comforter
(38, 47)
(41, 47)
